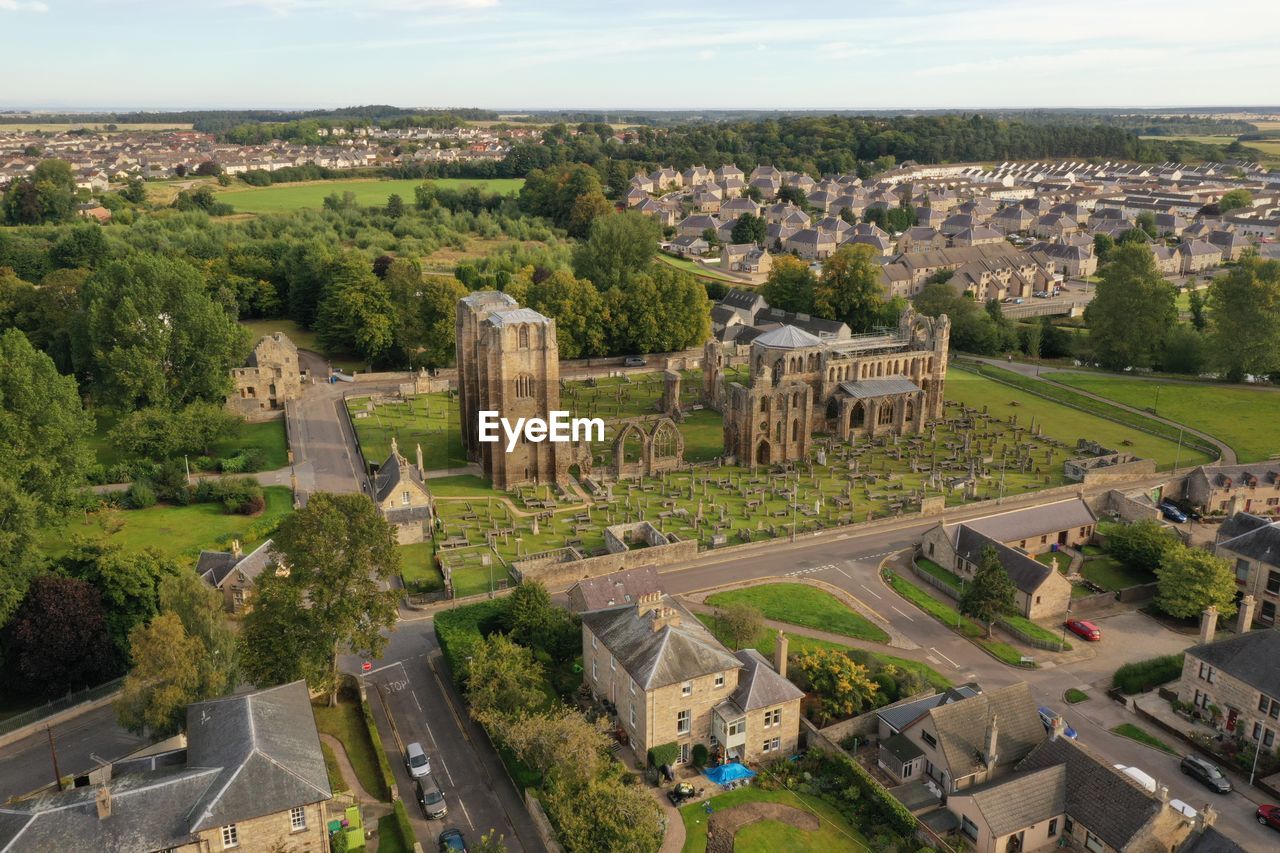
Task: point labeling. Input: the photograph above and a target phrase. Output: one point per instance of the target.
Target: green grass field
(1074, 696)
(431, 420)
(944, 575)
(345, 722)
(285, 197)
(1110, 574)
(1244, 418)
(180, 532)
(1063, 422)
(268, 436)
(833, 833)
(1142, 736)
(697, 269)
(951, 617)
(417, 566)
(800, 604)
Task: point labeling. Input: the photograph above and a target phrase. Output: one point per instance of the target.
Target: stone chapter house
(885, 383)
(272, 377)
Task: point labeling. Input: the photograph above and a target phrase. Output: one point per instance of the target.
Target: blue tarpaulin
(726, 773)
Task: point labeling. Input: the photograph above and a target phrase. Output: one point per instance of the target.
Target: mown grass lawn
(268, 436)
(834, 832)
(430, 420)
(368, 192)
(944, 575)
(1244, 418)
(418, 567)
(345, 722)
(1111, 574)
(697, 269)
(175, 531)
(1074, 696)
(1142, 736)
(951, 617)
(804, 605)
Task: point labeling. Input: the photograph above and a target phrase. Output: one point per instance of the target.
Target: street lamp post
(1064, 625)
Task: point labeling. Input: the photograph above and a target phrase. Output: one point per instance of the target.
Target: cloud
(368, 7)
(706, 54)
(22, 6)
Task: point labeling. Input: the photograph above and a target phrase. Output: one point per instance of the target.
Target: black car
(451, 841)
(1206, 773)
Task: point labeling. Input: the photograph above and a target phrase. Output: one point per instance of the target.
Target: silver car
(416, 760)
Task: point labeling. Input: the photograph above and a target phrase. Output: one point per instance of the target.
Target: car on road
(1206, 773)
(415, 759)
(1085, 629)
(635, 361)
(1048, 716)
(430, 798)
(452, 841)
(1268, 815)
(1171, 512)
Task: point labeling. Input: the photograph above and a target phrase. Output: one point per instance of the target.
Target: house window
(633, 688)
(1268, 612)
(684, 753)
(1210, 678)
(633, 715)
(928, 738)
(682, 722)
(686, 689)
(1273, 583)
(1242, 571)
(720, 680)
(773, 718)
(908, 769)
(736, 727)
(1274, 711)
(1067, 824)
(1263, 702)
(297, 818)
(969, 828)
(593, 641)
(770, 745)
(1269, 739)
(1044, 539)
(404, 498)
(1053, 827)
(230, 838)
(1257, 731)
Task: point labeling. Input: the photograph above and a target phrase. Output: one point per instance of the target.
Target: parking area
(1126, 637)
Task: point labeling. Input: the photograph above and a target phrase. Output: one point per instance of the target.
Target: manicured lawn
(1074, 696)
(389, 840)
(833, 833)
(370, 192)
(332, 769)
(696, 269)
(951, 617)
(175, 531)
(345, 722)
(474, 580)
(417, 566)
(430, 420)
(1244, 418)
(269, 436)
(1110, 574)
(1142, 736)
(804, 605)
(1032, 629)
(1063, 422)
(461, 486)
(703, 433)
(944, 575)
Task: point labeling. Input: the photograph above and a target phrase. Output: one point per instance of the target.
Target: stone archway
(763, 452)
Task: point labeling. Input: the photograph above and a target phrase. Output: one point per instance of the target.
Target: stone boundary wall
(546, 834)
(557, 569)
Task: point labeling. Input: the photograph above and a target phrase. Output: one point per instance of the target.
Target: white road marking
(464, 812)
(846, 574)
(944, 657)
(446, 770)
(415, 700)
(384, 666)
(905, 616)
(870, 590)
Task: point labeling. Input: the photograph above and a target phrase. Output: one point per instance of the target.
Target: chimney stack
(648, 601)
(103, 801)
(1208, 624)
(1244, 618)
(1163, 792)
(780, 654)
(664, 616)
(990, 757)
(236, 551)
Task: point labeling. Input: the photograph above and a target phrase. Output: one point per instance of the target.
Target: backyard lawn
(805, 605)
(834, 832)
(174, 531)
(1111, 574)
(1243, 417)
(295, 196)
(417, 566)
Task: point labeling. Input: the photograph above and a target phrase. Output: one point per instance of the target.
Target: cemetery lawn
(180, 532)
(1243, 417)
(801, 604)
(1065, 423)
(370, 192)
(834, 831)
(418, 568)
(431, 420)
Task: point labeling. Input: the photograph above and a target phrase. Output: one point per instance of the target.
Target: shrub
(888, 686)
(252, 505)
(1140, 676)
(459, 629)
(663, 754)
(140, 495)
(405, 828)
(699, 755)
(384, 767)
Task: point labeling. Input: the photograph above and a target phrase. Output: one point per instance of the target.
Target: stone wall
(541, 822)
(1114, 468)
(556, 569)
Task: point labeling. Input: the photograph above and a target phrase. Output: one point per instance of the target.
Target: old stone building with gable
(272, 377)
(884, 383)
(401, 493)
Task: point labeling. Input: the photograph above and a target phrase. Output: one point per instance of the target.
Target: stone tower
(508, 362)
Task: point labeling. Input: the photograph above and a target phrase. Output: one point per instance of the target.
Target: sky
(696, 54)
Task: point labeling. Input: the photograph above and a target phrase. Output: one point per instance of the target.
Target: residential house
(612, 590)
(706, 202)
(1237, 675)
(1198, 256)
(1228, 489)
(1170, 224)
(635, 196)
(835, 226)
(1231, 245)
(811, 244)
(252, 777)
(977, 236)
(1074, 261)
(1054, 225)
(957, 223)
(1014, 219)
(233, 573)
(729, 172)
(734, 208)
(745, 257)
(1251, 544)
(1168, 261)
(695, 225)
(665, 214)
(401, 493)
(921, 238)
(692, 246)
(673, 682)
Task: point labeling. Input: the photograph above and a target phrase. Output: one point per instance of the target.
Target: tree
(604, 813)
(587, 208)
(1140, 545)
(741, 623)
(44, 430)
(1103, 244)
(577, 307)
(1234, 200)
(561, 741)
(165, 678)
(661, 310)
(158, 433)
(135, 191)
(490, 842)
(209, 168)
(1132, 310)
(616, 249)
(991, 592)
(750, 229)
(788, 194)
(439, 305)
(128, 581)
(47, 195)
(1196, 304)
(1244, 314)
(395, 206)
(531, 615)
(1146, 220)
(1190, 579)
(339, 551)
(356, 312)
(152, 336)
(19, 557)
(1031, 336)
(842, 685)
(1184, 351)
(849, 287)
(58, 640)
(790, 285)
(84, 246)
(199, 607)
(502, 679)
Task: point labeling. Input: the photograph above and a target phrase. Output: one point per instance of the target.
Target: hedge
(457, 630)
(1140, 676)
(894, 814)
(663, 754)
(384, 766)
(402, 824)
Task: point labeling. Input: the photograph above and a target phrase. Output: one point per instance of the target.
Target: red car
(1268, 816)
(1085, 629)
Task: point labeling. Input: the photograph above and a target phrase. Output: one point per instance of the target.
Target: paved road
(82, 744)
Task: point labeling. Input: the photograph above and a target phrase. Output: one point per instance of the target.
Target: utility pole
(1178, 456)
(53, 753)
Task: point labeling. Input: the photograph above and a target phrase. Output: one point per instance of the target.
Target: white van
(1140, 776)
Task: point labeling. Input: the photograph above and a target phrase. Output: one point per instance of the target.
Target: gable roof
(900, 716)
(1250, 657)
(1011, 805)
(1261, 544)
(670, 655)
(1027, 574)
(1240, 524)
(216, 566)
(759, 685)
(1021, 524)
(962, 728)
(862, 389)
(623, 587)
(392, 472)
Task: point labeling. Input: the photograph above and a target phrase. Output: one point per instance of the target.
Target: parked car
(635, 361)
(1171, 512)
(451, 841)
(1146, 780)
(430, 798)
(1206, 773)
(1048, 716)
(1084, 628)
(1268, 815)
(416, 760)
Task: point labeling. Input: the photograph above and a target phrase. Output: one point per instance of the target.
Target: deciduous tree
(750, 229)
(741, 623)
(1234, 200)
(842, 685)
(1140, 545)
(603, 814)
(1132, 311)
(561, 740)
(991, 592)
(165, 678)
(503, 679)
(616, 249)
(790, 285)
(58, 639)
(19, 558)
(129, 582)
(1244, 310)
(849, 287)
(1190, 579)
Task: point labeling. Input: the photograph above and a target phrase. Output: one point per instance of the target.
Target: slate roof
(962, 728)
(863, 389)
(216, 566)
(1027, 574)
(1020, 524)
(760, 686)
(788, 337)
(671, 655)
(1240, 524)
(1250, 657)
(617, 588)
(1098, 796)
(1210, 841)
(1261, 544)
(902, 748)
(900, 716)
(1011, 805)
(389, 475)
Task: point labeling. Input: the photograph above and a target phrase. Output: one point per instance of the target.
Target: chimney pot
(236, 551)
(103, 801)
(780, 654)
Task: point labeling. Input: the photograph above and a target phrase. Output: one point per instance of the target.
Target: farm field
(1244, 418)
(285, 197)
